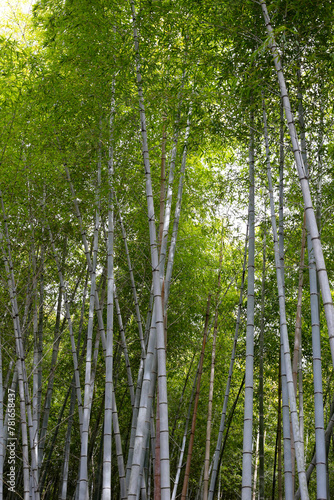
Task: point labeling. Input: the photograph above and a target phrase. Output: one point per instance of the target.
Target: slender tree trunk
(193, 423)
(316, 347)
(172, 246)
(65, 470)
(215, 468)
(284, 333)
(144, 407)
(212, 374)
(83, 481)
(161, 348)
(107, 428)
(256, 466)
(303, 177)
(184, 439)
(298, 339)
(25, 401)
(288, 446)
(124, 347)
(261, 388)
(246, 492)
(70, 328)
(279, 430)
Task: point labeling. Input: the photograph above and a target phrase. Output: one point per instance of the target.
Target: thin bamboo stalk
(107, 428)
(261, 384)
(212, 374)
(284, 332)
(246, 491)
(89, 382)
(161, 348)
(316, 346)
(184, 439)
(215, 468)
(303, 178)
(193, 423)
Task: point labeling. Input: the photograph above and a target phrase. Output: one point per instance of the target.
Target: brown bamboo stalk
(193, 424)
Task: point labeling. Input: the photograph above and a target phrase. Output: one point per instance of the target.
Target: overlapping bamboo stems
(143, 348)
(55, 435)
(70, 328)
(120, 459)
(65, 469)
(193, 423)
(161, 349)
(284, 331)
(303, 178)
(288, 444)
(172, 246)
(119, 451)
(144, 410)
(133, 285)
(179, 406)
(83, 482)
(165, 214)
(298, 328)
(148, 421)
(328, 434)
(37, 355)
(47, 405)
(184, 439)
(278, 446)
(316, 347)
(107, 427)
(297, 351)
(124, 347)
(212, 374)
(246, 491)
(230, 419)
(216, 458)
(261, 349)
(25, 401)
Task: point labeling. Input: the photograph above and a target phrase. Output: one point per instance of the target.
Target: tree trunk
(316, 347)
(284, 332)
(212, 374)
(216, 458)
(193, 423)
(161, 348)
(246, 492)
(303, 177)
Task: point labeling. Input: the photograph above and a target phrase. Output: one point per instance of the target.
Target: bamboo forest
(166, 244)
